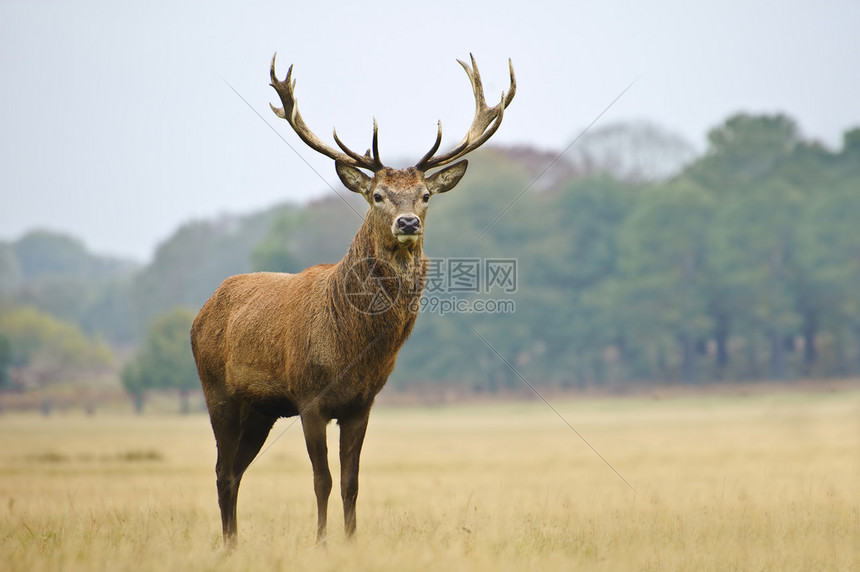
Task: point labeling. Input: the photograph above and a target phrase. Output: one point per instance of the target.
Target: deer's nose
(408, 224)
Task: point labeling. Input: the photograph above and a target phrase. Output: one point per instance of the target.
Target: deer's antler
(487, 120)
(290, 112)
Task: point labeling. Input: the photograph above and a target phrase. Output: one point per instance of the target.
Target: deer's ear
(352, 178)
(447, 178)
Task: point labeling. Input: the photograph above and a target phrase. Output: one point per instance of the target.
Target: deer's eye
(377, 198)
(426, 197)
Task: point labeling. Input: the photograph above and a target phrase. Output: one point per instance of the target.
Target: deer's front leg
(352, 430)
(314, 427)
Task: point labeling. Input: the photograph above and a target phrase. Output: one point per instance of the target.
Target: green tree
(10, 269)
(57, 275)
(572, 253)
(753, 266)
(189, 265)
(5, 361)
(136, 383)
(165, 362)
(744, 149)
(313, 235)
(45, 350)
(42, 252)
(828, 251)
(661, 265)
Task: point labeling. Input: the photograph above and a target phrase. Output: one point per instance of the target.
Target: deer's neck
(380, 281)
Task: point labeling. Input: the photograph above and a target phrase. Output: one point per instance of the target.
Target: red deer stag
(271, 345)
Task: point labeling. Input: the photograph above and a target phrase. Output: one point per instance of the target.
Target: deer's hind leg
(253, 430)
(239, 433)
(225, 425)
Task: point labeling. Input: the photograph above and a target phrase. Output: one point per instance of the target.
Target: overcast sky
(117, 122)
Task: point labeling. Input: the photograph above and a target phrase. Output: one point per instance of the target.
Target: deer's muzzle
(407, 224)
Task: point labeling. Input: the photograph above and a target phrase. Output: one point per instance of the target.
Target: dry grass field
(765, 482)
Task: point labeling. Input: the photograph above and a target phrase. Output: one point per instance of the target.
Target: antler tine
(368, 162)
(290, 112)
(512, 89)
(485, 123)
(376, 143)
(433, 149)
(477, 85)
(353, 155)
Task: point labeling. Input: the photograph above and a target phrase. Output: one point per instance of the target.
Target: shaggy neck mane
(375, 288)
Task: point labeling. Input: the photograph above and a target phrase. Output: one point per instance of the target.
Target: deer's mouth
(404, 238)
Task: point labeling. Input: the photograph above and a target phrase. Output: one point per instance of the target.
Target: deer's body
(276, 341)
(270, 345)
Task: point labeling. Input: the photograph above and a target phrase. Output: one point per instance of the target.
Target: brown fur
(271, 345)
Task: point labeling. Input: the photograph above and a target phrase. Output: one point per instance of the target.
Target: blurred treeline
(638, 262)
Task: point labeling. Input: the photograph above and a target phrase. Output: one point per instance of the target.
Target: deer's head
(398, 198)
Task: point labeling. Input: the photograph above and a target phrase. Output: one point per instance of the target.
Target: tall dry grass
(767, 482)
